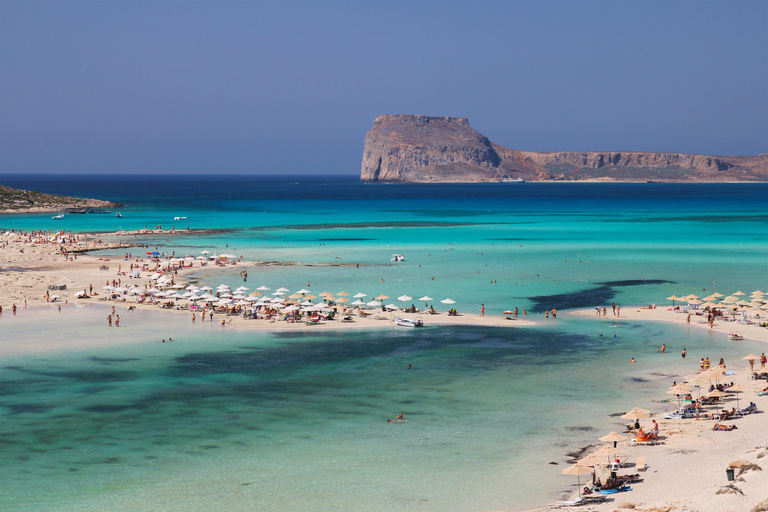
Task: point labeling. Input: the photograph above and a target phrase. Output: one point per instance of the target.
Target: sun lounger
(640, 464)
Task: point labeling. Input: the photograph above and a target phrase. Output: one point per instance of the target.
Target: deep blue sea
(244, 420)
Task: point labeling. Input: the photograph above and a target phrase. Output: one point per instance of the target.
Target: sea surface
(244, 420)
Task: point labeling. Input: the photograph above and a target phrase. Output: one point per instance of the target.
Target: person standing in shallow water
(482, 309)
(683, 353)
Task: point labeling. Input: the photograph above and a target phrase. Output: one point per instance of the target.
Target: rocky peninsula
(13, 200)
(415, 148)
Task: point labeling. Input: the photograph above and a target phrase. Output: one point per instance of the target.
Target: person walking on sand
(193, 317)
(482, 309)
(763, 360)
(688, 320)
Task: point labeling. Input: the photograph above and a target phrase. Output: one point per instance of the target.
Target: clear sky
(293, 87)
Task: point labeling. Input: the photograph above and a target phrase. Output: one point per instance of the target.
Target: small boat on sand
(407, 322)
(734, 336)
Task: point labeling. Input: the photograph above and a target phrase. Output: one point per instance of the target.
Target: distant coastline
(424, 149)
(14, 200)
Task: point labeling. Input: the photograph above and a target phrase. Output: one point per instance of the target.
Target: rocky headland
(13, 200)
(411, 148)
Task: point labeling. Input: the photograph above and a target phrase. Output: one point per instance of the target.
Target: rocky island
(413, 148)
(13, 200)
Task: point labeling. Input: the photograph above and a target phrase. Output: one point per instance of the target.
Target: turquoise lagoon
(243, 420)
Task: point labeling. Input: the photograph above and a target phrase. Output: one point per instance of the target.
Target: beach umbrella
(382, 297)
(578, 471)
(310, 297)
(374, 303)
(392, 307)
(448, 302)
(739, 293)
(360, 296)
(358, 302)
(303, 291)
(343, 294)
(615, 437)
(737, 388)
(590, 461)
(254, 294)
(673, 299)
(263, 289)
(750, 357)
(606, 450)
(206, 289)
(205, 252)
(283, 290)
(342, 299)
(425, 299)
(636, 413)
(695, 301)
(691, 296)
(295, 296)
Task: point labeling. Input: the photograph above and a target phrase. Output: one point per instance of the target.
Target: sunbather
(721, 427)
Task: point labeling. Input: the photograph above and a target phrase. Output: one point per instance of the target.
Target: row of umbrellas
(224, 297)
(758, 300)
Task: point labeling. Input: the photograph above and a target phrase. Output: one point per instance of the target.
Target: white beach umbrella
(263, 289)
(303, 291)
(278, 293)
(206, 288)
(205, 252)
(360, 296)
(374, 303)
(392, 307)
(283, 290)
(405, 298)
(357, 303)
(277, 299)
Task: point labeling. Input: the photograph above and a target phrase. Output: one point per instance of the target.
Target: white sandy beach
(685, 472)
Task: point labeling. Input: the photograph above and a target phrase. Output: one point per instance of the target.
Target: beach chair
(640, 464)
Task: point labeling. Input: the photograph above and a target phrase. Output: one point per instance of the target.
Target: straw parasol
(613, 436)
(739, 293)
(590, 460)
(636, 413)
(578, 471)
(382, 297)
(737, 388)
(674, 298)
(343, 294)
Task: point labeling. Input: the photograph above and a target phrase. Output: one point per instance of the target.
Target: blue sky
(293, 87)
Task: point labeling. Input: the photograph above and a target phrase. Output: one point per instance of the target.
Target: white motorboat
(118, 215)
(734, 336)
(397, 257)
(58, 217)
(513, 180)
(407, 322)
(179, 218)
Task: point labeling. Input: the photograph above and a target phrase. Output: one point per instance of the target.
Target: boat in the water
(96, 210)
(734, 336)
(407, 322)
(397, 257)
(513, 180)
(179, 218)
(58, 217)
(118, 215)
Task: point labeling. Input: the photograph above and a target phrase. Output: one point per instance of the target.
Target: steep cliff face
(426, 149)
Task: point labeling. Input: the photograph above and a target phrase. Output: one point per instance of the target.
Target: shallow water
(297, 421)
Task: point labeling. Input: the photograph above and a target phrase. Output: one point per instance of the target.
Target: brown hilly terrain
(410, 148)
(13, 200)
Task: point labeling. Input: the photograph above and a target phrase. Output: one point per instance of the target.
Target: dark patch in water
(582, 429)
(109, 408)
(360, 225)
(106, 360)
(638, 379)
(580, 452)
(28, 408)
(111, 460)
(590, 298)
(210, 447)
